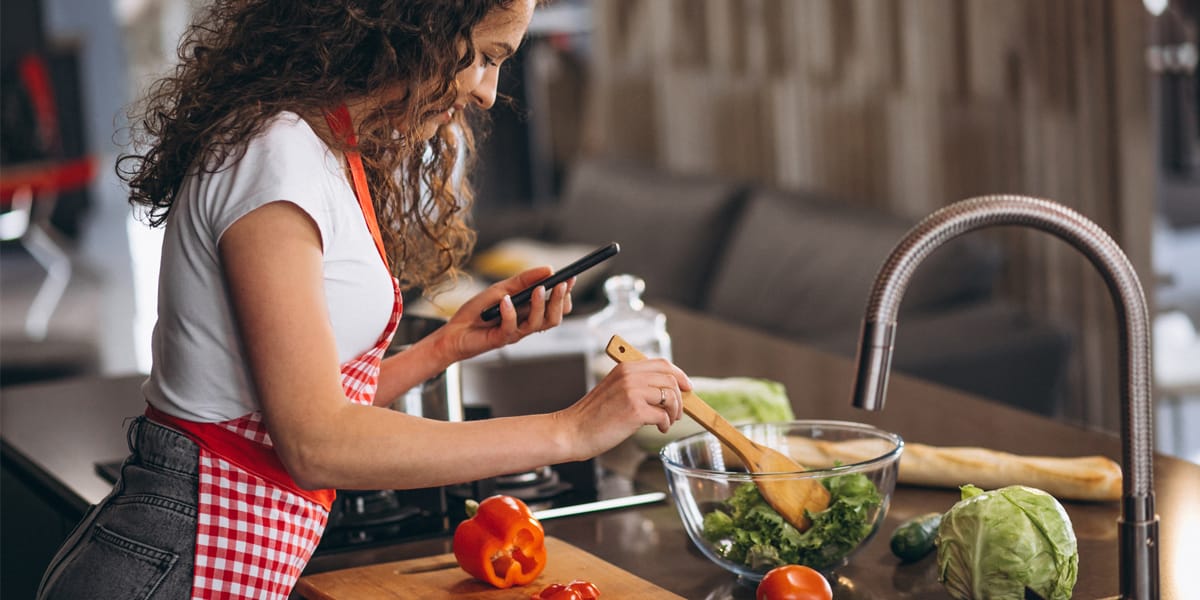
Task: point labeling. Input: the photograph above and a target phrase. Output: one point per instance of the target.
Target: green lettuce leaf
(745, 529)
(745, 399)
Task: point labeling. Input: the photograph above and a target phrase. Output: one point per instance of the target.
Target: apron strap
(341, 126)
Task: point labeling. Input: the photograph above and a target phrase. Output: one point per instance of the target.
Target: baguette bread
(1095, 478)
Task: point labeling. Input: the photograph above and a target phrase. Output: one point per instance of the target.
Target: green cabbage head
(996, 544)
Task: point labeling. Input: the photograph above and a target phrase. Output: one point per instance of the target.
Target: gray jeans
(140, 541)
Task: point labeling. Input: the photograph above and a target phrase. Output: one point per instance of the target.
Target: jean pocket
(108, 565)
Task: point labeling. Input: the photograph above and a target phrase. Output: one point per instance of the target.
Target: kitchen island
(57, 431)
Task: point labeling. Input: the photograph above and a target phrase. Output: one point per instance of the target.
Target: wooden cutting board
(439, 577)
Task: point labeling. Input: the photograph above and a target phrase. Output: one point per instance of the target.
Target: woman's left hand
(466, 334)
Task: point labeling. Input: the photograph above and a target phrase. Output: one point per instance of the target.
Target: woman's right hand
(633, 394)
(466, 334)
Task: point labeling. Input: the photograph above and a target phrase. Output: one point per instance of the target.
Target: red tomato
(586, 589)
(556, 591)
(576, 590)
(794, 582)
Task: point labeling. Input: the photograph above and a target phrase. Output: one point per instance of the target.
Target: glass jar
(627, 316)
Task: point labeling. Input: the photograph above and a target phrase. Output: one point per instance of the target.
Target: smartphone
(592, 259)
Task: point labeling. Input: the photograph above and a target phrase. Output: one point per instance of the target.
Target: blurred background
(756, 159)
(893, 107)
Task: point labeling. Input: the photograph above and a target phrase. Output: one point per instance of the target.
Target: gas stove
(361, 519)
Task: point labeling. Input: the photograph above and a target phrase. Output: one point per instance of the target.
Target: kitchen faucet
(1138, 525)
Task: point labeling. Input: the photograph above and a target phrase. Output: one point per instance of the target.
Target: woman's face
(496, 38)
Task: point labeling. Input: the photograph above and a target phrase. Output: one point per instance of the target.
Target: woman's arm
(272, 260)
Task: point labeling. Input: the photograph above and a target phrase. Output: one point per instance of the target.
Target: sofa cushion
(670, 227)
(990, 348)
(801, 265)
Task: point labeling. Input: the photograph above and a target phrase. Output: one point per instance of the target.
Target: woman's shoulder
(288, 131)
(287, 123)
(285, 160)
(286, 143)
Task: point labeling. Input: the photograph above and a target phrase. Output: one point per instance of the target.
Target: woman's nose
(484, 94)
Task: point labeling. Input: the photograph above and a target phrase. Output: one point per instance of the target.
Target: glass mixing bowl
(726, 518)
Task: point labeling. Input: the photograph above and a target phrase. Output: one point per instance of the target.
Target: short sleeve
(287, 162)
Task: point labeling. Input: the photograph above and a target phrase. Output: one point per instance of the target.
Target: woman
(301, 150)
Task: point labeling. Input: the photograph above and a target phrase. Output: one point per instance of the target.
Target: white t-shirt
(199, 369)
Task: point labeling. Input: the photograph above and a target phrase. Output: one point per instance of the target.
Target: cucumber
(913, 539)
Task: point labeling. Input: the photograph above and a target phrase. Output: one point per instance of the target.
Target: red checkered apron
(256, 528)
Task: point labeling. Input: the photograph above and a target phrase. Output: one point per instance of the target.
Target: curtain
(907, 106)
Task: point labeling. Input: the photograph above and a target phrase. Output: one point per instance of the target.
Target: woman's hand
(466, 334)
(633, 394)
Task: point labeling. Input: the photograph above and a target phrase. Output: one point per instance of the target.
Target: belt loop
(131, 433)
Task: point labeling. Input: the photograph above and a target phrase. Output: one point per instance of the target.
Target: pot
(440, 396)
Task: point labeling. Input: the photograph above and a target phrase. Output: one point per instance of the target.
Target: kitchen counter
(57, 431)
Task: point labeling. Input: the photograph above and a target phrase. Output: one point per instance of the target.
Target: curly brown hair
(242, 62)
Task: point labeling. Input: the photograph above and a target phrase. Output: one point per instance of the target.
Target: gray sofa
(800, 266)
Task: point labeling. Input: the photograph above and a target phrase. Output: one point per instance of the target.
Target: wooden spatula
(789, 498)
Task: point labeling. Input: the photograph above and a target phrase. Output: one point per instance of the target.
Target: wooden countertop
(61, 429)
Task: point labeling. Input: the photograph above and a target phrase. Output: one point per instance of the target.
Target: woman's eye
(489, 61)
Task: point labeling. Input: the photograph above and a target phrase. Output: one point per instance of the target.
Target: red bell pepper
(502, 543)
